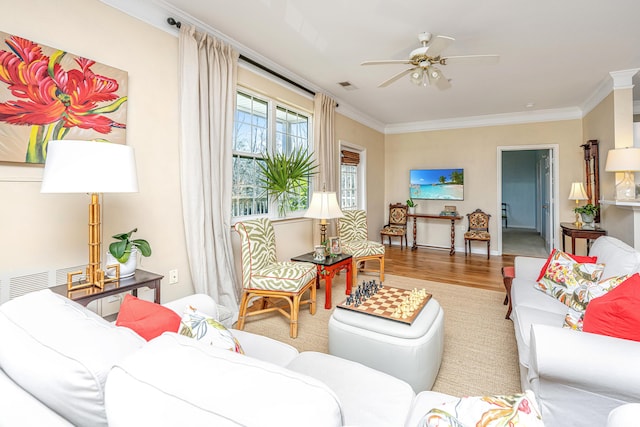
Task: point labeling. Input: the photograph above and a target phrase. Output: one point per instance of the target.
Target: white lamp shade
(623, 160)
(89, 167)
(324, 205)
(577, 192)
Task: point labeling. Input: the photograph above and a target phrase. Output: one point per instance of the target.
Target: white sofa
(578, 377)
(61, 365)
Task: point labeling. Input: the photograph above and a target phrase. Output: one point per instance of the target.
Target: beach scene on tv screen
(437, 184)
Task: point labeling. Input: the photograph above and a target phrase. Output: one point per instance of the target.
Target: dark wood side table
(575, 232)
(327, 270)
(140, 279)
(453, 220)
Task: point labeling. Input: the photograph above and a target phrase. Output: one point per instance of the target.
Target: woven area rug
(480, 355)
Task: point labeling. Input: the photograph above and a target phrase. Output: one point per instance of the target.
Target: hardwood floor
(437, 265)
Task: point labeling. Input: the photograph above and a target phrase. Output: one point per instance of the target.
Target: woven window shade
(349, 158)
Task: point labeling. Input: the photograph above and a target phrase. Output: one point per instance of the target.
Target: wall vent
(347, 85)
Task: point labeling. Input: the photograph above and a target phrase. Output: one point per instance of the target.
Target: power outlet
(173, 276)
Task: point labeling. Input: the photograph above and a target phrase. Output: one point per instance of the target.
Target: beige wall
(600, 124)
(42, 232)
(352, 132)
(49, 231)
(475, 150)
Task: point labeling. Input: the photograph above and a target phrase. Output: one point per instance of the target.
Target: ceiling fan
(424, 59)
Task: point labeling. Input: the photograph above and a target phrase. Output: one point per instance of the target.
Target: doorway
(527, 191)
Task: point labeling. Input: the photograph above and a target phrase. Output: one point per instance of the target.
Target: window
(259, 125)
(350, 191)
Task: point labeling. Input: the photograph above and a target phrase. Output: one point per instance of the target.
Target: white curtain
(324, 109)
(208, 75)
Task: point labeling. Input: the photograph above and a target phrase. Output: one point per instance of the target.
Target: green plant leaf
(143, 246)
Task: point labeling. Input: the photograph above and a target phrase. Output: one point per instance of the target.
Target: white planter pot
(127, 269)
(412, 210)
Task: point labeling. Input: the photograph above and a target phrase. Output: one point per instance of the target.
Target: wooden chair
(504, 215)
(272, 281)
(478, 230)
(397, 225)
(352, 230)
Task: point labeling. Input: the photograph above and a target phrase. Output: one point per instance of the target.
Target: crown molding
(487, 120)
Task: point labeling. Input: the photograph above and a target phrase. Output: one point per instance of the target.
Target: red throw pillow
(146, 318)
(577, 258)
(617, 313)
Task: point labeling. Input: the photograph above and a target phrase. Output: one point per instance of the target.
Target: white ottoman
(412, 353)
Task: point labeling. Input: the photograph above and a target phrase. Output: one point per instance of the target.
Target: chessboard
(390, 303)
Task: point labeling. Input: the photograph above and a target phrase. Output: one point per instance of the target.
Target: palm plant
(285, 176)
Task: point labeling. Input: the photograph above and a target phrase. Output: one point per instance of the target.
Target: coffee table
(327, 270)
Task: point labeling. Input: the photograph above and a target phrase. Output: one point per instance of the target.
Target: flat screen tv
(437, 184)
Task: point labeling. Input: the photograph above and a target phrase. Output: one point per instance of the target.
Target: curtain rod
(178, 24)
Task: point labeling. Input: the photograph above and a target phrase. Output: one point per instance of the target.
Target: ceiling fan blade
(387, 61)
(437, 79)
(438, 44)
(475, 59)
(396, 77)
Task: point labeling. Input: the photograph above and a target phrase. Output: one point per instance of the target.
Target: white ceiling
(555, 55)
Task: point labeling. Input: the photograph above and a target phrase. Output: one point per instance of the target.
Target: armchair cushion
(362, 248)
(283, 276)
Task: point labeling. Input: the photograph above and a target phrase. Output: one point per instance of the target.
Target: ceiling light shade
(324, 205)
(577, 192)
(89, 167)
(417, 76)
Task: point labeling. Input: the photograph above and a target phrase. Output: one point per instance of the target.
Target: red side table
(327, 270)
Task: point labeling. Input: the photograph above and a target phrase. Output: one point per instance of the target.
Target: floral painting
(48, 94)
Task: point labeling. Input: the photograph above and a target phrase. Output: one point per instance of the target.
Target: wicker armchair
(352, 230)
(272, 281)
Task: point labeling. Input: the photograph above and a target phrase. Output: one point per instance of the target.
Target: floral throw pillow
(201, 327)
(564, 275)
(500, 410)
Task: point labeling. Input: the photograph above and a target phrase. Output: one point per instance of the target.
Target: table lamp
(624, 160)
(323, 206)
(577, 193)
(90, 167)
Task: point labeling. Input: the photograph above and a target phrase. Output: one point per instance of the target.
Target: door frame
(555, 171)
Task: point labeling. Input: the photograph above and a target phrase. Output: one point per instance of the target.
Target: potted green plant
(587, 212)
(285, 177)
(411, 205)
(121, 250)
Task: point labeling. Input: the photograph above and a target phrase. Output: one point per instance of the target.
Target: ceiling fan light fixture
(417, 77)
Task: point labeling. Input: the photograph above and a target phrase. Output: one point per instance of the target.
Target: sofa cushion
(618, 257)
(576, 258)
(207, 330)
(523, 318)
(616, 314)
(563, 275)
(523, 292)
(518, 409)
(146, 318)
(61, 353)
(369, 397)
(174, 375)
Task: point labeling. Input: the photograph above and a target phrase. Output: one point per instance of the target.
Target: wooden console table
(453, 220)
(141, 279)
(575, 232)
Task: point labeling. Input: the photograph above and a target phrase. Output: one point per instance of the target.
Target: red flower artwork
(52, 100)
